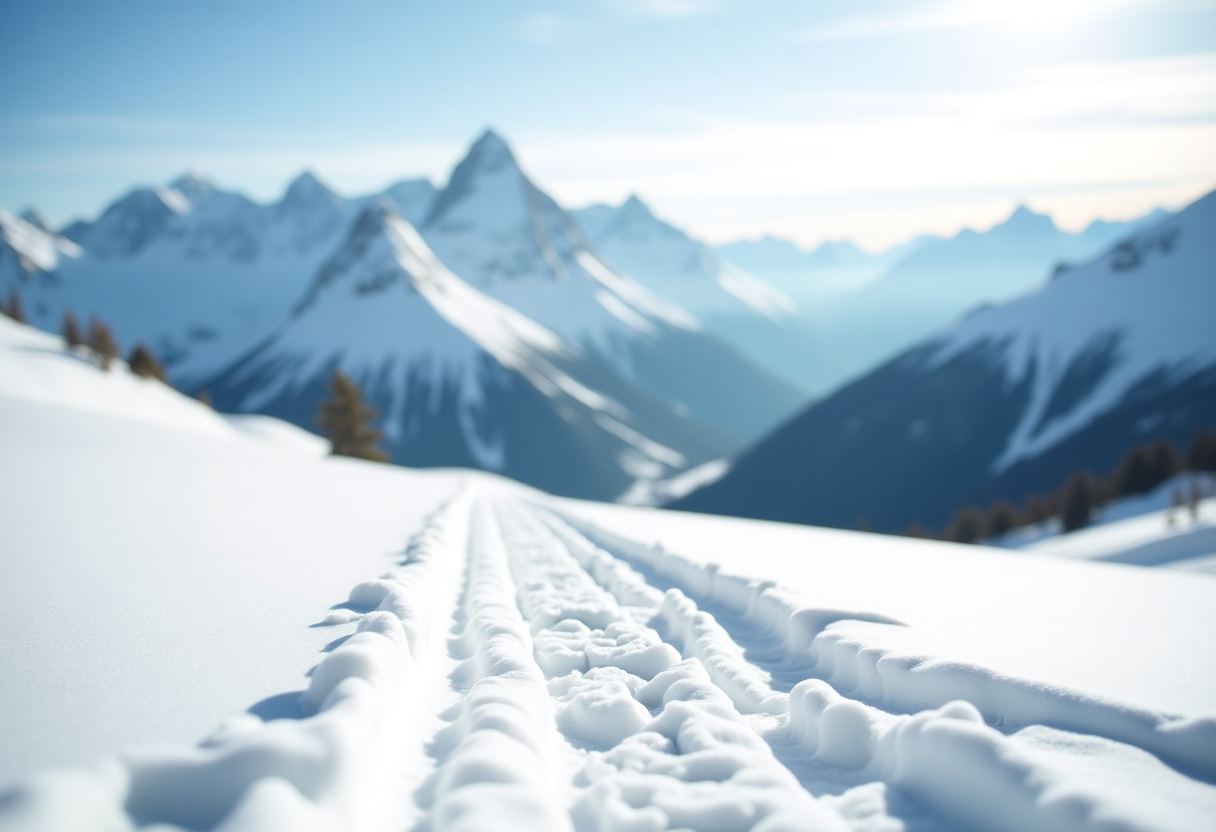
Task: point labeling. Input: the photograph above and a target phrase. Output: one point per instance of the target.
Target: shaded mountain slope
(1007, 402)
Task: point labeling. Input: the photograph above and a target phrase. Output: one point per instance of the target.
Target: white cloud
(965, 14)
(541, 27)
(1098, 140)
(668, 8)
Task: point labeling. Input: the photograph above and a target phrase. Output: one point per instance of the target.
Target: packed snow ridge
(597, 683)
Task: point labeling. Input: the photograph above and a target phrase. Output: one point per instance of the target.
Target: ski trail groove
(946, 757)
(664, 747)
(499, 774)
(907, 683)
(338, 767)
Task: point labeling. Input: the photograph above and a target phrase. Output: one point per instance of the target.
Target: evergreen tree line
(97, 340)
(1140, 470)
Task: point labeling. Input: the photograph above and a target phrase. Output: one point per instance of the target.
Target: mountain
(460, 378)
(1007, 402)
(748, 313)
(497, 230)
(236, 296)
(30, 251)
(670, 262)
(858, 310)
(199, 273)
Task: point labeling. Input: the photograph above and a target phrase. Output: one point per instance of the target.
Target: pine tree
(101, 341)
(1077, 501)
(71, 330)
(1039, 508)
(347, 421)
(1144, 468)
(1002, 517)
(1201, 455)
(15, 309)
(1164, 461)
(144, 364)
(967, 525)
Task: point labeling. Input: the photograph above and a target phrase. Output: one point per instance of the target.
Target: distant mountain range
(1010, 400)
(476, 318)
(587, 352)
(856, 309)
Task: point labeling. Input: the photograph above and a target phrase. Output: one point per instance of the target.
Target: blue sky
(865, 119)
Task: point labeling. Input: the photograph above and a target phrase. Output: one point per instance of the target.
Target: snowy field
(209, 625)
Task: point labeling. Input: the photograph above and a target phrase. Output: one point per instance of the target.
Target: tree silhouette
(1002, 517)
(101, 341)
(1201, 455)
(144, 364)
(967, 525)
(346, 421)
(71, 330)
(1081, 495)
(15, 309)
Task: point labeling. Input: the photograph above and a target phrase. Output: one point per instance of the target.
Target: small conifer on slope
(144, 364)
(346, 421)
(71, 330)
(103, 343)
(15, 309)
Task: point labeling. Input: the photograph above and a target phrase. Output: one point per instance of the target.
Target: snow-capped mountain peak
(32, 245)
(489, 194)
(131, 223)
(312, 212)
(307, 190)
(193, 188)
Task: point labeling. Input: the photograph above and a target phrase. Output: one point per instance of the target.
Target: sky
(871, 120)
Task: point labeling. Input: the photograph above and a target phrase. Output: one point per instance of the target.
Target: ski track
(523, 669)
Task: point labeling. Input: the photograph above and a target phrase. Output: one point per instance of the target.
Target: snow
(36, 247)
(278, 433)
(654, 492)
(226, 636)
(34, 368)
(38, 367)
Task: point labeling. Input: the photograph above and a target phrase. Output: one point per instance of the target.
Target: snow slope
(1010, 400)
(532, 663)
(39, 368)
